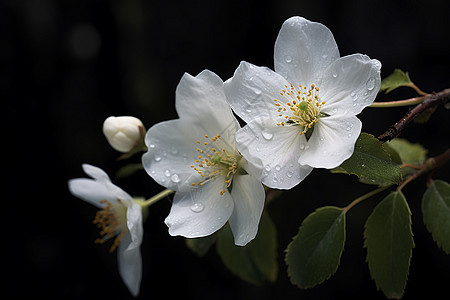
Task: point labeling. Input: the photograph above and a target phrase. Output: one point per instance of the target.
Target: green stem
(364, 197)
(156, 198)
(398, 103)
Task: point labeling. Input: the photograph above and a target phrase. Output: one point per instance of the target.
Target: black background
(66, 65)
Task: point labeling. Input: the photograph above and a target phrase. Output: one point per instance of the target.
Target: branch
(431, 100)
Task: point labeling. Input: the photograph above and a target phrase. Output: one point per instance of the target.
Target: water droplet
(157, 158)
(288, 59)
(152, 146)
(167, 173)
(290, 173)
(175, 178)
(325, 57)
(277, 167)
(335, 75)
(302, 146)
(267, 134)
(174, 150)
(197, 207)
(370, 84)
(251, 78)
(354, 96)
(267, 168)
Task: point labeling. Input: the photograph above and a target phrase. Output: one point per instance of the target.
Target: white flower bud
(123, 133)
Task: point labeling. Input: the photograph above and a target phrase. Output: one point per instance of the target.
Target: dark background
(66, 65)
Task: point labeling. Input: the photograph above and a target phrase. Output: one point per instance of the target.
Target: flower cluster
(298, 117)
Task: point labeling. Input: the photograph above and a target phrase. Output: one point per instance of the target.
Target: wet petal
(248, 196)
(303, 50)
(201, 211)
(332, 142)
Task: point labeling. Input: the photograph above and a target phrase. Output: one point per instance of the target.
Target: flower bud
(123, 133)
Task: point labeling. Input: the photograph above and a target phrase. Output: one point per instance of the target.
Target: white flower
(119, 217)
(302, 116)
(123, 133)
(196, 157)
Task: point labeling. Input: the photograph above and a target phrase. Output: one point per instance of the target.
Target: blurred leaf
(371, 162)
(413, 154)
(436, 213)
(257, 261)
(389, 243)
(314, 253)
(201, 246)
(397, 79)
(128, 170)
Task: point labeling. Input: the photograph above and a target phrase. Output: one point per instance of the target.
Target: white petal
(201, 99)
(130, 264)
(248, 197)
(134, 224)
(278, 147)
(95, 172)
(200, 212)
(303, 50)
(350, 84)
(94, 191)
(171, 151)
(252, 90)
(332, 142)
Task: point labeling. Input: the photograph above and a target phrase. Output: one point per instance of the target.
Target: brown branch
(431, 100)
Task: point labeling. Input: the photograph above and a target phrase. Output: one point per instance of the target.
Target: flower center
(111, 220)
(215, 160)
(302, 107)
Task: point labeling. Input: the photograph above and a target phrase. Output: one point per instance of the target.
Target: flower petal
(134, 224)
(171, 151)
(201, 211)
(350, 84)
(94, 191)
(129, 261)
(332, 142)
(252, 90)
(303, 50)
(248, 196)
(95, 172)
(278, 147)
(201, 99)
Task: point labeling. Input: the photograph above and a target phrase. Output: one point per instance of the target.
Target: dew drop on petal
(267, 168)
(175, 178)
(167, 173)
(302, 146)
(267, 134)
(197, 207)
(277, 167)
(288, 59)
(157, 158)
(370, 84)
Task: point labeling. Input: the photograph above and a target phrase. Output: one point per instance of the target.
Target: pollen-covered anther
(215, 161)
(111, 219)
(302, 106)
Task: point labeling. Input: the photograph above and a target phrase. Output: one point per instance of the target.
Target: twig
(431, 100)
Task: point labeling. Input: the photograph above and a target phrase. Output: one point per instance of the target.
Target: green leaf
(389, 243)
(413, 154)
(314, 253)
(371, 162)
(397, 79)
(436, 213)
(201, 246)
(257, 261)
